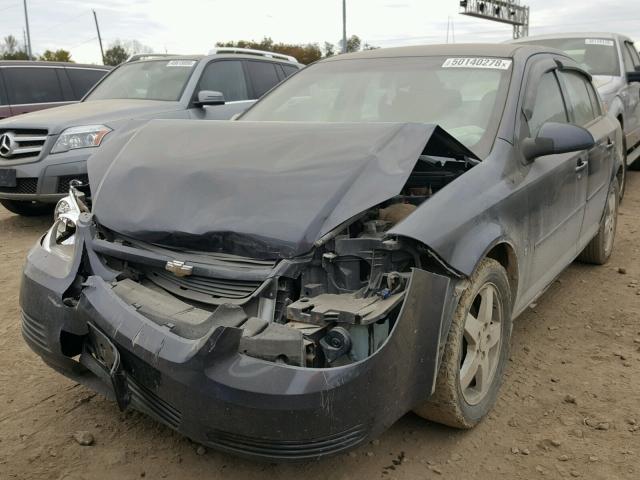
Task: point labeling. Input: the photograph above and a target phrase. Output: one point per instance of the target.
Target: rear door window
(579, 101)
(3, 94)
(595, 101)
(27, 85)
(263, 77)
(289, 70)
(82, 79)
(549, 104)
(227, 77)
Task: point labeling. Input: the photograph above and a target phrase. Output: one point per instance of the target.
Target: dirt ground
(569, 407)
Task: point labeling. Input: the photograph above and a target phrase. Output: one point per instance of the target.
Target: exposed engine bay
(333, 306)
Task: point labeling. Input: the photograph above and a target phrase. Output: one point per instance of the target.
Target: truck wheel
(600, 247)
(27, 208)
(476, 352)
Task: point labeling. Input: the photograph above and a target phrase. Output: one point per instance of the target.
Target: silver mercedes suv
(42, 152)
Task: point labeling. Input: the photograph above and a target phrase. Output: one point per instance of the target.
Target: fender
(465, 220)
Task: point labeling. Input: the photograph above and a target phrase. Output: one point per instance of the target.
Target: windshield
(150, 80)
(462, 95)
(598, 56)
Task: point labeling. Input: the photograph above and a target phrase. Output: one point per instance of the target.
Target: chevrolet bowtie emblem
(178, 268)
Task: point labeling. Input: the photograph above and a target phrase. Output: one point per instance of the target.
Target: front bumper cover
(214, 395)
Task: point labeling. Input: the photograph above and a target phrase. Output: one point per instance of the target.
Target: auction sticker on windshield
(599, 41)
(181, 63)
(477, 62)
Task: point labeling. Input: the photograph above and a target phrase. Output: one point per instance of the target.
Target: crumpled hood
(88, 113)
(262, 189)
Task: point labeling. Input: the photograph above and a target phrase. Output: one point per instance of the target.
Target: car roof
(551, 36)
(38, 63)
(198, 58)
(457, 49)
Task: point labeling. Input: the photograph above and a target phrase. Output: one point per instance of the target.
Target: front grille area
(204, 289)
(63, 182)
(34, 331)
(25, 143)
(23, 185)
(288, 449)
(146, 401)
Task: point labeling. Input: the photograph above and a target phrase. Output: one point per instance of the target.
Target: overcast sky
(194, 26)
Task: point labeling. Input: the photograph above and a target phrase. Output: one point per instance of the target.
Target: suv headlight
(80, 137)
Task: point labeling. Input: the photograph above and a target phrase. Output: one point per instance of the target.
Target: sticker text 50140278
(477, 62)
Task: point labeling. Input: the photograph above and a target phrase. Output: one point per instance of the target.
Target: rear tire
(27, 208)
(476, 352)
(600, 247)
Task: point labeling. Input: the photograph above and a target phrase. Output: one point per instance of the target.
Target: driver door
(557, 192)
(229, 78)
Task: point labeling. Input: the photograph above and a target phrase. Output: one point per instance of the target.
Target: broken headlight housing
(61, 237)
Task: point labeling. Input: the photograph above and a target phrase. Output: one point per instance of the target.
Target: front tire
(600, 247)
(27, 208)
(476, 352)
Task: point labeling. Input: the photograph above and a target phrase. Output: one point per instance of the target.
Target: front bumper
(47, 179)
(214, 395)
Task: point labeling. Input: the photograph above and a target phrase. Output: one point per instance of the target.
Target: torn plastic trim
(451, 271)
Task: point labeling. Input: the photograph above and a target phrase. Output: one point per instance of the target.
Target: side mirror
(209, 97)
(633, 76)
(556, 138)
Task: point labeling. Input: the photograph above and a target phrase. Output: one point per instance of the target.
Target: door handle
(581, 164)
(610, 144)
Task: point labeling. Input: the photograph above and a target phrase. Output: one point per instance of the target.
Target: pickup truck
(614, 64)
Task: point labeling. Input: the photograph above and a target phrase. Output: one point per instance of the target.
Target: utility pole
(26, 20)
(344, 26)
(95, 17)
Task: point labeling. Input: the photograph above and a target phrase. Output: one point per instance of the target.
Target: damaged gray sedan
(355, 246)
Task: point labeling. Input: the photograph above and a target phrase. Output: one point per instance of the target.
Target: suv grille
(63, 182)
(21, 143)
(23, 185)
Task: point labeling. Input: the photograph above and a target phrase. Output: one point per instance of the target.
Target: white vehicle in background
(614, 63)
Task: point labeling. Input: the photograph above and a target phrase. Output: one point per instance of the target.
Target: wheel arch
(504, 253)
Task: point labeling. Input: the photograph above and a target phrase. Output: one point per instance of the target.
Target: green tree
(59, 55)
(329, 49)
(9, 49)
(115, 55)
(120, 50)
(353, 44)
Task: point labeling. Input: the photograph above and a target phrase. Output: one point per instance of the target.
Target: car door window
(3, 96)
(595, 100)
(549, 104)
(227, 77)
(579, 101)
(82, 79)
(633, 55)
(263, 77)
(32, 85)
(627, 59)
(289, 70)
